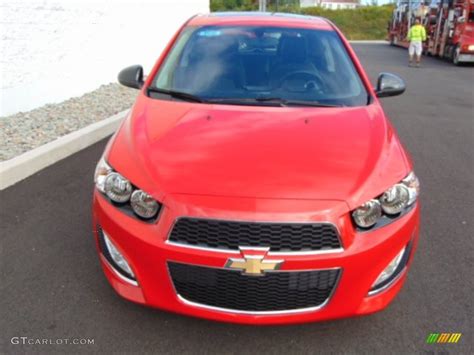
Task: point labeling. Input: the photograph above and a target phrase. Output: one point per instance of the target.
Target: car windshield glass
(268, 65)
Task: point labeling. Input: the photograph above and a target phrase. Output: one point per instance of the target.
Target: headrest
(292, 49)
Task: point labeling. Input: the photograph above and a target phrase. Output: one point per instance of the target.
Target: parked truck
(449, 26)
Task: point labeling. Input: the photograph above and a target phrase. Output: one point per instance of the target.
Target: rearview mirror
(389, 85)
(132, 77)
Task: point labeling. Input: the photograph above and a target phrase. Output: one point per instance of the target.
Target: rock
(24, 131)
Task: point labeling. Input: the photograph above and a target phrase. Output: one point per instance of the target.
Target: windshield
(219, 64)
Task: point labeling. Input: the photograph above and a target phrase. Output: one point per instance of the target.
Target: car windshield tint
(262, 64)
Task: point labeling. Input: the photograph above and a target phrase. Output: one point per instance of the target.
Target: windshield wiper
(239, 101)
(268, 101)
(285, 102)
(243, 101)
(177, 94)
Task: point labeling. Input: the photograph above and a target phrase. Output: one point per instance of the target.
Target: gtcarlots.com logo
(22, 340)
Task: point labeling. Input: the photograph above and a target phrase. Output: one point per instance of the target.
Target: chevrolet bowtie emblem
(253, 262)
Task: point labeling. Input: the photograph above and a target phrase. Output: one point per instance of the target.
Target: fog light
(389, 271)
(117, 258)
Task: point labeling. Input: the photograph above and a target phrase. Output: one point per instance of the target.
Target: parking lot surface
(52, 286)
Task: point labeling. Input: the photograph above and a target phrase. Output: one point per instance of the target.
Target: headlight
(392, 202)
(120, 190)
(367, 214)
(395, 199)
(117, 188)
(143, 204)
(413, 185)
(101, 171)
(470, 48)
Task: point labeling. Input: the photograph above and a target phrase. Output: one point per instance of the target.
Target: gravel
(24, 131)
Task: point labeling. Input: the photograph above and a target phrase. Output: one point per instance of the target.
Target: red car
(257, 179)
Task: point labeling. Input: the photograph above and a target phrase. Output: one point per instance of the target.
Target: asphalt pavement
(52, 286)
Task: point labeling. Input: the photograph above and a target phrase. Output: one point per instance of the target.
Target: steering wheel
(309, 80)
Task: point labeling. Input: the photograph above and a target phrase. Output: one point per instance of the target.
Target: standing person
(416, 36)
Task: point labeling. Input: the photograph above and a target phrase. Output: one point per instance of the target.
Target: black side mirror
(131, 77)
(389, 85)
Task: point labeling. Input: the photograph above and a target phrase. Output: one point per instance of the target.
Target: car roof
(260, 19)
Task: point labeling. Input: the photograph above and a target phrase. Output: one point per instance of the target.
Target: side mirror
(389, 85)
(132, 77)
(461, 19)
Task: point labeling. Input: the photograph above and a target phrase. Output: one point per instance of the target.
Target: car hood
(170, 147)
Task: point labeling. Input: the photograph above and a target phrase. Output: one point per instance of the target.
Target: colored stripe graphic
(442, 338)
(455, 337)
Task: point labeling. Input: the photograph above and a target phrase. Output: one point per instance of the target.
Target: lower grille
(273, 292)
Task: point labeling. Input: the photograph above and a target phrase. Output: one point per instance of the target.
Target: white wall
(338, 5)
(52, 50)
(309, 3)
(327, 5)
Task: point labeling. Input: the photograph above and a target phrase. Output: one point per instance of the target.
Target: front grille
(229, 235)
(274, 291)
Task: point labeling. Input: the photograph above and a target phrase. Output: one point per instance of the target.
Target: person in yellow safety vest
(416, 36)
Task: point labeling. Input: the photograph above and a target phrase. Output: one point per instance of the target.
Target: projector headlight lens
(117, 188)
(395, 199)
(143, 204)
(368, 214)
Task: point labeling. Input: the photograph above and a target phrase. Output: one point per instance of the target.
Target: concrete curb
(26, 164)
(369, 42)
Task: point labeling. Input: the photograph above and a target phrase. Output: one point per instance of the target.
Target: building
(331, 4)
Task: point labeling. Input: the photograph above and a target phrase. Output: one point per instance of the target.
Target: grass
(363, 23)
(369, 22)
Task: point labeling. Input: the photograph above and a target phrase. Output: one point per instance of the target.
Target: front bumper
(362, 259)
(466, 57)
